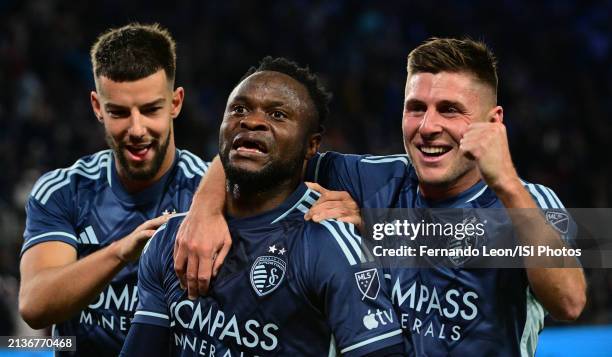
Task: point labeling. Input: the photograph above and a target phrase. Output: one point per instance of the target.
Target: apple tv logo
(372, 320)
(369, 321)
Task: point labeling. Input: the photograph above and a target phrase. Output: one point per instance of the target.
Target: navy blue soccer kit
(287, 288)
(445, 310)
(86, 207)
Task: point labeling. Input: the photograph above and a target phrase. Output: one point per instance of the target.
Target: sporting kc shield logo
(368, 283)
(467, 242)
(267, 273)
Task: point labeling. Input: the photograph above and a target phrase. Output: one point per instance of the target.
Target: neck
(135, 186)
(433, 192)
(242, 203)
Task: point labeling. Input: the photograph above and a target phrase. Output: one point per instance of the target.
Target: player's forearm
(55, 294)
(562, 291)
(558, 282)
(210, 195)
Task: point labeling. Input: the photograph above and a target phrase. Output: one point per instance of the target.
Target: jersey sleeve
(373, 181)
(50, 218)
(349, 290)
(146, 341)
(152, 308)
(192, 167)
(554, 211)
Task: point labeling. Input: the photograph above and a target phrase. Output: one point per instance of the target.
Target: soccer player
(287, 284)
(87, 224)
(458, 157)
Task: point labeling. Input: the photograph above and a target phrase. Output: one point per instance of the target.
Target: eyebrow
(442, 103)
(154, 103)
(447, 103)
(268, 103)
(413, 101)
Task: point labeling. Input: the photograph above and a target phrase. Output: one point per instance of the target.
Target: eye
(239, 110)
(118, 113)
(450, 110)
(415, 109)
(278, 115)
(151, 110)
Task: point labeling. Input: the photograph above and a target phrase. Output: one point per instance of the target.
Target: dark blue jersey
(287, 288)
(444, 310)
(85, 206)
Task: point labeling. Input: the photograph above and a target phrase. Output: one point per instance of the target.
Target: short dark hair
(319, 95)
(133, 52)
(455, 55)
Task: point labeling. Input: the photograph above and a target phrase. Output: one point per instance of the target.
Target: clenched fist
(487, 144)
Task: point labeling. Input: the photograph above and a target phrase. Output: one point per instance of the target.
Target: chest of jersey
(270, 301)
(103, 218)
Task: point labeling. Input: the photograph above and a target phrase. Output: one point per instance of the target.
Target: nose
(137, 127)
(255, 121)
(430, 125)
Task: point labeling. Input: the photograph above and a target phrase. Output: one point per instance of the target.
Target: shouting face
(267, 131)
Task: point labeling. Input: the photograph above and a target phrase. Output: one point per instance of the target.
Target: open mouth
(250, 145)
(138, 152)
(433, 151)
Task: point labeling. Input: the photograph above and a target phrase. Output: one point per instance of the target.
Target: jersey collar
(299, 202)
(464, 199)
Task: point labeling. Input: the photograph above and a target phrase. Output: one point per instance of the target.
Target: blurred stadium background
(555, 67)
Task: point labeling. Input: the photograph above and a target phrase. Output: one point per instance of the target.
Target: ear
(177, 101)
(496, 115)
(96, 106)
(314, 142)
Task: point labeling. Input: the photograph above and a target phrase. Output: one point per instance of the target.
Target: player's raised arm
(562, 291)
(54, 285)
(203, 239)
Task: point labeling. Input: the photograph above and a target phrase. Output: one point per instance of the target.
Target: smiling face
(438, 109)
(137, 117)
(266, 135)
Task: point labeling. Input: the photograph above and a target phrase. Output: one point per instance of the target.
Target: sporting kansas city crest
(267, 273)
(368, 283)
(559, 220)
(467, 242)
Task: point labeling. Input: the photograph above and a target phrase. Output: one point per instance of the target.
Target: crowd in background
(554, 68)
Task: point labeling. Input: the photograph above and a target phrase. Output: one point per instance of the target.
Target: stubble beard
(147, 170)
(241, 182)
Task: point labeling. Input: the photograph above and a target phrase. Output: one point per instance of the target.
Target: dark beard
(244, 182)
(142, 173)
